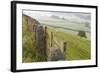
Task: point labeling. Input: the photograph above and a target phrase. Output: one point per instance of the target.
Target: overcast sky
(67, 15)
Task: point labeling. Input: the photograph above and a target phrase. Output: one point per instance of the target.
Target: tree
(87, 24)
(81, 33)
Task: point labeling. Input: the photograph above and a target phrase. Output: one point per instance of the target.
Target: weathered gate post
(41, 44)
(45, 36)
(64, 48)
(51, 39)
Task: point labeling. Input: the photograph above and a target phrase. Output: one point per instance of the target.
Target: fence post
(51, 39)
(45, 37)
(64, 48)
(45, 32)
(41, 44)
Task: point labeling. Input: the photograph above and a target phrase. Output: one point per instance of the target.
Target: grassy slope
(29, 52)
(78, 48)
(28, 42)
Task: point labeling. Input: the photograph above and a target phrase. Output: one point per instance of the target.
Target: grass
(78, 48)
(27, 42)
(29, 48)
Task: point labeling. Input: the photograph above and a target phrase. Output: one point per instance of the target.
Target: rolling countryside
(54, 36)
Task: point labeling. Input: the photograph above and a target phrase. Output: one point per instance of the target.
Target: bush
(82, 33)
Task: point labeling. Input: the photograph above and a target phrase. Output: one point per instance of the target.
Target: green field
(78, 48)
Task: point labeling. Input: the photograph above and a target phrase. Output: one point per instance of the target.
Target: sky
(81, 17)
